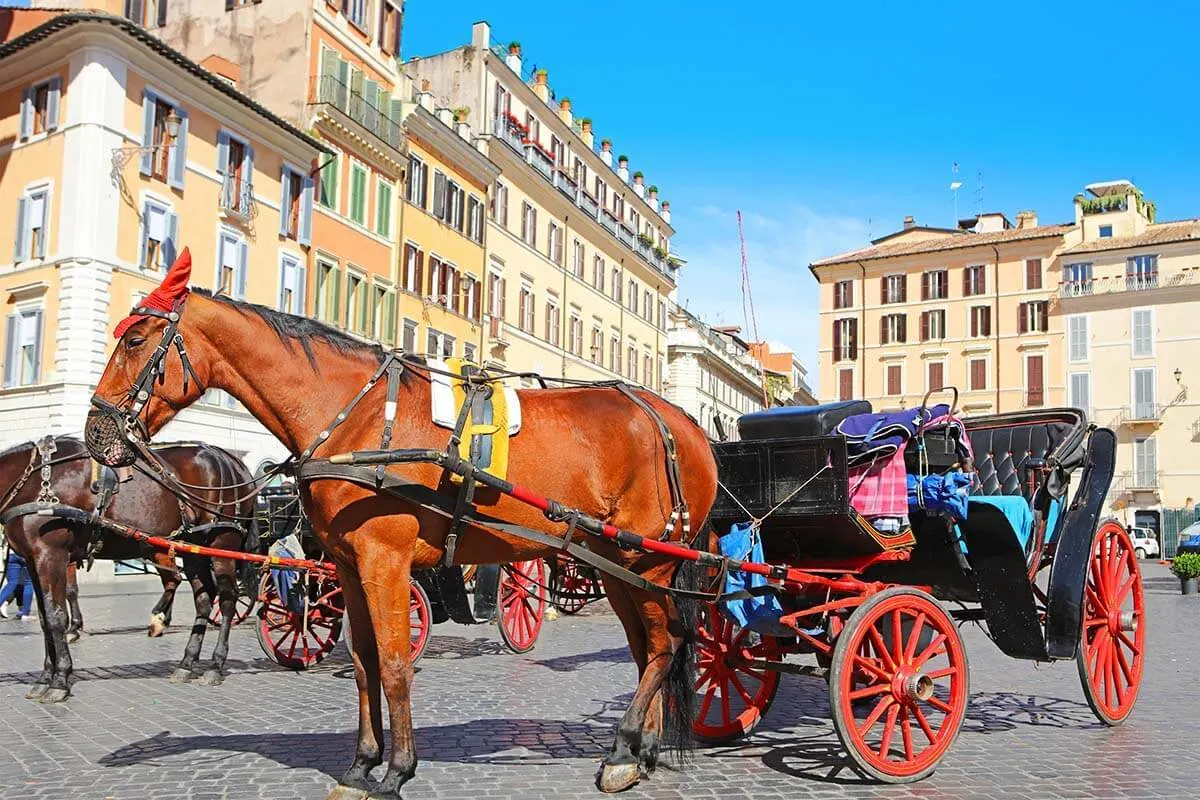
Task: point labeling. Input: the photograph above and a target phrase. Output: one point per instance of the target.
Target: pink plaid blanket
(879, 488)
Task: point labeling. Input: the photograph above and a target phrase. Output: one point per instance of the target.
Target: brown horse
(591, 448)
(50, 544)
(160, 614)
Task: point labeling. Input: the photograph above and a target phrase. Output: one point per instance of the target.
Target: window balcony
(609, 221)
(1130, 282)
(358, 108)
(1139, 480)
(496, 337)
(540, 159)
(511, 132)
(237, 197)
(625, 235)
(1081, 288)
(1141, 282)
(1142, 415)
(588, 204)
(564, 183)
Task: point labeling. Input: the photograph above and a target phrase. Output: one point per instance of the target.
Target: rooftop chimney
(1027, 219)
(909, 222)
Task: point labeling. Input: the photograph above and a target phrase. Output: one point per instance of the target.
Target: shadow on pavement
(612, 655)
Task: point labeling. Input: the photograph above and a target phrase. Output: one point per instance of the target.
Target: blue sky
(826, 123)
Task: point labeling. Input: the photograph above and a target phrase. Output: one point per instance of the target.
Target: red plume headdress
(172, 289)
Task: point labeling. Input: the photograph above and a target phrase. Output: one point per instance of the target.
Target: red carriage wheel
(573, 587)
(734, 694)
(418, 619)
(295, 639)
(522, 603)
(898, 690)
(245, 605)
(1111, 651)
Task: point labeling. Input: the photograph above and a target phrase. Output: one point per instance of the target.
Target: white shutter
(286, 201)
(242, 259)
(177, 158)
(1081, 390)
(306, 211)
(21, 245)
(33, 325)
(26, 114)
(1143, 332)
(12, 349)
(1143, 393)
(170, 246)
(145, 240)
(35, 213)
(52, 98)
(147, 132)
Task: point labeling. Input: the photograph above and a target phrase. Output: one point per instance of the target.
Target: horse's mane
(303, 330)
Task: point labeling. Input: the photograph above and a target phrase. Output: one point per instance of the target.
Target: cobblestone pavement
(492, 724)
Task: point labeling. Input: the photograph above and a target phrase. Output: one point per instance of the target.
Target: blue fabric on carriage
(947, 493)
(286, 580)
(870, 436)
(1014, 508)
(1052, 517)
(760, 614)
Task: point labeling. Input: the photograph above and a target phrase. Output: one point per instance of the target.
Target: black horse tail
(679, 690)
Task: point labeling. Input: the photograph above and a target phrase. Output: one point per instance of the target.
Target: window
(496, 292)
(235, 162)
(631, 362)
(579, 173)
(1144, 406)
(164, 159)
(974, 281)
(1079, 391)
(441, 281)
(356, 12)
(449, 201)
(1035, 381)
(557, 151)
(500, 204)
(383, 208)
(525, 308)
(845, 384)
(616, 284)
(575, 333)
(598, 273)
(1033, 273)
(356, 302)
(529, 224)
(231, 265)
(383, 314)
(893, 329)
(554, 247)
(408, 339)
(1033, 317)
(647, 370)
(439, 345)
(981, 321)
(894, 288)
(601, 193)
(150, 13)
(412, 269)
(328, 193)
(597, 349)
(469, 352)
(1141, 272)
(291, 285)
(1143, 332)
(577, 258)
(631, 295)
(503, 101)
(647, 306)
(1077, 337)
(553, 329)
(23, 348)
(1145, 461)
(935, 376)
(1077, 280)
(618, 206)
(893, 379)
(160, 232)
(933, 325)
(417, 182)
(662, 314)
(614, 354)
(33, 218)
(328, 302)
(935, 285)
(389, 28)
(845, 339)
(475, 219)
(978, 376)
(1106, 231)
(472, 302)
(358, 193)
(533, 126)
(39, 108)
(295, 214)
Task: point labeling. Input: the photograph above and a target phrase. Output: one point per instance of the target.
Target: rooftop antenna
(979, 192)
(955, 185)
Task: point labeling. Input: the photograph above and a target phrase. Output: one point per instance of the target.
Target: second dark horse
(50, 544)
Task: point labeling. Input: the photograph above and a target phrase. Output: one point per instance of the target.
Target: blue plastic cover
(759, 614)
(287, 583)
(940, 493)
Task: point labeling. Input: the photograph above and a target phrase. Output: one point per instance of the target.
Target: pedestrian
(16, 573)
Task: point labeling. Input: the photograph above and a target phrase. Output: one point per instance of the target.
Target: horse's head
(149, 378)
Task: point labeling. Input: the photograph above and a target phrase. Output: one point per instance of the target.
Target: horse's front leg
(204, 590)
(49, 577)
(49, 667)
(223, 569)
(160, 615)
(368, 751)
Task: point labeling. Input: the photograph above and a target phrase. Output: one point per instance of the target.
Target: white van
(1145, 542)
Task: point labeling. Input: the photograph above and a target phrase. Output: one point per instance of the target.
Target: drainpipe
(997, 329)
(862, 333)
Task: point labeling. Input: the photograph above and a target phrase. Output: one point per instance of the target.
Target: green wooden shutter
(335, 275)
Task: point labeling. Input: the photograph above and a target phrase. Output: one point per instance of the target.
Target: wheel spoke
(934, 649)
(1126, 671)
(870, 691)
(914, 636)
(741, 690)
(871, 667)
(906, 734)
(942, 673)
(875, 714)
(889, 727)
(1137, 651)
(940, 705)
(1124, 590)
(924, 723)
(707, 702)
(881, 649)
(897, 636)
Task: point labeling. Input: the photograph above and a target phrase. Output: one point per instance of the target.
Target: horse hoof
(54, 696)
(618, 777)
(36, 691)
(181, 675)
(211, 677)
(158, 626)
(342, 792)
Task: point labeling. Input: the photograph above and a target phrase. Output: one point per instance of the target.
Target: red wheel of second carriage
(244, 606)
(573, 587)
(418, 622)
(735, 693)
(522, 603)
(297, 639)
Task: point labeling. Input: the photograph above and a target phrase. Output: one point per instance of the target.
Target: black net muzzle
(108, 434)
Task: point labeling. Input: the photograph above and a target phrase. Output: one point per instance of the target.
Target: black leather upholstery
(795, 421)
(1004, 449)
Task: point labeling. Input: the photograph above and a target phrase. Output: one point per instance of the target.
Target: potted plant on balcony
(1186, 567)
(645, 239)
(660, 252)
(460, 114)
(585, 125)
(540, 77)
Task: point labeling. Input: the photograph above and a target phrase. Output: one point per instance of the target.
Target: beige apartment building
(924, 308)
(578, 267)
(1099, 313)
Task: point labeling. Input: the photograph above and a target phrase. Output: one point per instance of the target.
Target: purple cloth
(869, 436)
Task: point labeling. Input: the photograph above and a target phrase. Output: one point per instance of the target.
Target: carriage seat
(789, 422)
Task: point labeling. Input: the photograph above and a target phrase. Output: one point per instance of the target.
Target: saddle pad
(445, 409)
(485, 435)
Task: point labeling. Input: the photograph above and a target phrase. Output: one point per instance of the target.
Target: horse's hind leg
(226, 580)
(203, 591)
(160, 615)
(49, 586)
(76, 625)
(42, 684)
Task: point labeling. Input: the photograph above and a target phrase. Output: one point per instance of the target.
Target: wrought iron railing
(1129, 282)
(1140, 480)
(588, 203)
(1141, 412)
(542, 162)
(360, 108)
(608, 221)
(564, 183)
(625, 235)
(510, 133)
